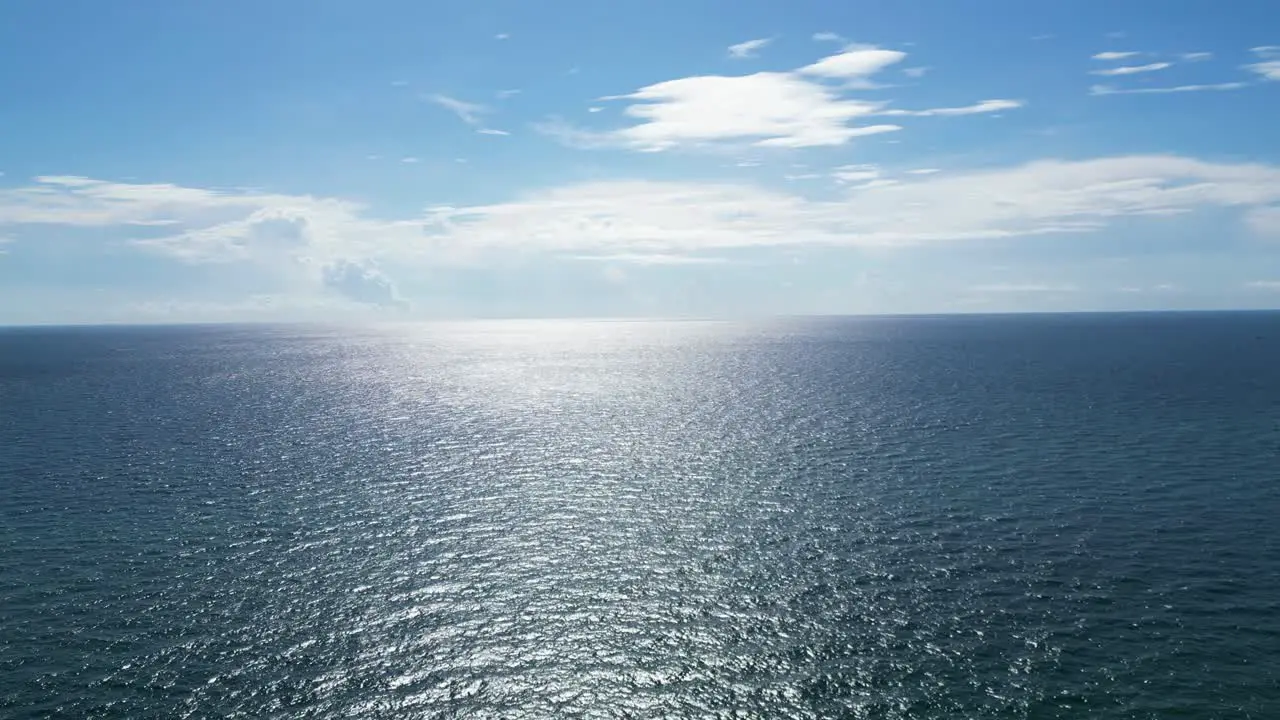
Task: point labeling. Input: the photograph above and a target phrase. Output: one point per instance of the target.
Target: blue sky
(317, 159)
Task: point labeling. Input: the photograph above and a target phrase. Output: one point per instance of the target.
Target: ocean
(1024, 516)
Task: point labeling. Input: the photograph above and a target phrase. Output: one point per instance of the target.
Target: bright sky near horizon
(326, 159)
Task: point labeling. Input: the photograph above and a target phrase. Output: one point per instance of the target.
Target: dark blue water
(980, 517)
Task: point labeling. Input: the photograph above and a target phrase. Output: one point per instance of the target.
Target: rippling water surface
(1007, 517)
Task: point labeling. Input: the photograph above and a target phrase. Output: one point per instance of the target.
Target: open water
(1072, 516)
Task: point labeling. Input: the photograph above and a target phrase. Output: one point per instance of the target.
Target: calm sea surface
(966, 517)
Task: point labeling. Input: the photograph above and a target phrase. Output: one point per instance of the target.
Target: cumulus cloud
(769, 108)
(805, 107)
(1133, 69)
(748, 49)
(362, 283)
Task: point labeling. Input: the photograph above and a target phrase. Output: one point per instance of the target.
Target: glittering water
(1040, 517)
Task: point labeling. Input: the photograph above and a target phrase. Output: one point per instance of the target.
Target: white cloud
(409, 160)
(924, 171)
(1133, 69)
(1033, 199)
(853, 63)
(915, 72)
(828, 37)
(469, 113)
(326, 246)
(748, 49)
(1108, 90)
(770, 108)
(1197, 56)
(1266, 51)
(855, 173)
(1269, 69)
(986, 106)
(502, 36)
(504, 94)
(806, 107)
(1114, 55)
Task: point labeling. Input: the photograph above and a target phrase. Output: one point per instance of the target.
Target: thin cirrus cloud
(806, 107)
(748, 49)
(986, 106)
(1109, 90)
(1116, 55)
(1133, 69)
(467, 112)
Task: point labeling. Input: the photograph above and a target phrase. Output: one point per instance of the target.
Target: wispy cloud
(748, 49)
(1116, 55)
(915, 72)
(652, 222)
(855, 173)
(923, 171)
(502, 36)
(409, 160)
(828, 37)
(1133, 69)
(469, 113)
(1109, 90)
(1269, 285)
(986, 106)
(1197, 56)
(1269, 68)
